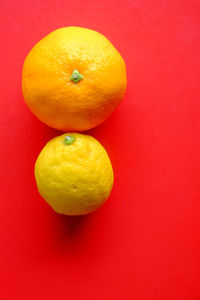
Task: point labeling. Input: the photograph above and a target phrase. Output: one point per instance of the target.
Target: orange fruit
(73, 79)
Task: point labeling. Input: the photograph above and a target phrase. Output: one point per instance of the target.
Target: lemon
(74, 174)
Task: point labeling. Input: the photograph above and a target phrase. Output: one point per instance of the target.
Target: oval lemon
(74, 174)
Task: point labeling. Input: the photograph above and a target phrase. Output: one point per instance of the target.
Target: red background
(144, 243)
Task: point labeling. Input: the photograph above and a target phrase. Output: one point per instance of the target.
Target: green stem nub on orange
(76, 76)
(69, 139)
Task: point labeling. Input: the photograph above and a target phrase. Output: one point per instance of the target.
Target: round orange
(73, 79)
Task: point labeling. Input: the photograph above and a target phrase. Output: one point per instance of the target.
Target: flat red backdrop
(144, 243)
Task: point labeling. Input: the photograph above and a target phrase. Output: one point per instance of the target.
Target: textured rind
(74, 179)
(56, 100)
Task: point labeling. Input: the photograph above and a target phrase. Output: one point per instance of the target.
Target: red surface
(144, 243)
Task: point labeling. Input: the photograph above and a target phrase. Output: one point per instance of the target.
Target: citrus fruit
(74, 174)
(73, 79)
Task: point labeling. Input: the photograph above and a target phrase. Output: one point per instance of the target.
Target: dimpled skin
(74, 179)
(61, 103)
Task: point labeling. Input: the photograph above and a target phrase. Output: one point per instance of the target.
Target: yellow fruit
(73, 79)
(74, 174)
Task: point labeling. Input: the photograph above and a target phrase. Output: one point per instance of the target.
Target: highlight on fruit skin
(74, 174)
(73, 79)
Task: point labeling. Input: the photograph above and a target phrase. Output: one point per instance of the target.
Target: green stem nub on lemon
(69, 139)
